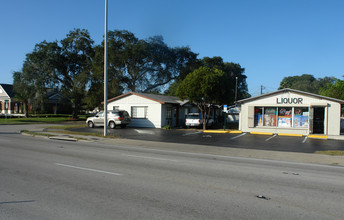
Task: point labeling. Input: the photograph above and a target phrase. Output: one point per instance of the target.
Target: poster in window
(270, 117)
(284, 122)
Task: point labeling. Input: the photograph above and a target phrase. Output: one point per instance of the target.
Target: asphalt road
(247, 141)
(49, 179)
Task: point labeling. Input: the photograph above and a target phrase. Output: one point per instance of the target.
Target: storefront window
(270, 116)
(285, 117)
(258, 116)
(301, 116)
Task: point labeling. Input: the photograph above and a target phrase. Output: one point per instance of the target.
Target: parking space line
(197, 132)
(240, 135)
(271, 137)
(304, 141)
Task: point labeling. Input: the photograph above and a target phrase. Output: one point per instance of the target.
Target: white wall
(332, 113)
(153, 111)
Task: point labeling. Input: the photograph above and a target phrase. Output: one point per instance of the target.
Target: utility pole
(105, 68)
(261, 89)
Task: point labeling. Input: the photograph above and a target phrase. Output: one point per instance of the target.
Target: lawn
(35, 120)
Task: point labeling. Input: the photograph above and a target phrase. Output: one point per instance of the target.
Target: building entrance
(318, 120)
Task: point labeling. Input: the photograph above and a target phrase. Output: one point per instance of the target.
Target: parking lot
(244, 140)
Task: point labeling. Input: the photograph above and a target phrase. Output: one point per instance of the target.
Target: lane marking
(197, 132)
(88, 169)
(238, 136)
(271, 137)
(151, 158)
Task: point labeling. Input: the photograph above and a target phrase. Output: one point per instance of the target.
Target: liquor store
(290, 111)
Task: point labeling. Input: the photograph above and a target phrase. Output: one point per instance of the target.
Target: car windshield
(192, 117)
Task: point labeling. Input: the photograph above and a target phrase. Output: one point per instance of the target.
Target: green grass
(331, 152)
(11, 121)
(64, 127)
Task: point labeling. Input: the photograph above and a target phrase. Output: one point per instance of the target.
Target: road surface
(50, 179)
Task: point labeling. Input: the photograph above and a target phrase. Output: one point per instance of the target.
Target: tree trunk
(26, 109)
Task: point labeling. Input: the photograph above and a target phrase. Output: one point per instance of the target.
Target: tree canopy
(306, 83)
(75, 67)
(205, 87)
(334, 90)
(232, 70)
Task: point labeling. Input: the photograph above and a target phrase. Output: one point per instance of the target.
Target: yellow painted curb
(235, 132)
(318, 136)
(291, 135)
(262, 133)
(215, 131)
(222, 132)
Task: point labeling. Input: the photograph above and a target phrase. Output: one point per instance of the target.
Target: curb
(62, 138)
(262, 133)
(318, 136)
(290, 135)
(222, 132)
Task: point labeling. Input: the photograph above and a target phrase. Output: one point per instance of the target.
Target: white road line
(144, 131)
(88, 169)
(240, 135)
(305, 139)
(151, 158)
(192, 133)
(271, 137)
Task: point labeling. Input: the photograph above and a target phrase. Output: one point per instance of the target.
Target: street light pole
(105, 67)
(236, 88)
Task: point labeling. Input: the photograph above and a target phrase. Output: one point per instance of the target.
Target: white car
(114, 118)
(195, 120)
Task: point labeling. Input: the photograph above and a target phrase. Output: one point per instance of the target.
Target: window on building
(301, 117)
(168, 113)
(285, 116)
(139, 111)
(270, 116)
(258, 116)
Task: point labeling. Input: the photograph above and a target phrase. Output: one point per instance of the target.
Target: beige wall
(332, 113)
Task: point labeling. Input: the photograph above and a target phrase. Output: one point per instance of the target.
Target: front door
(318, 120)
(99, 119)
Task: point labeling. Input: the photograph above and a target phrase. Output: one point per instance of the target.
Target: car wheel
(90, 124)
(112, 125)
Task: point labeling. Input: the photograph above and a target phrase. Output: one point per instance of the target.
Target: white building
(291, 111)
(8, 105)
(152, 111)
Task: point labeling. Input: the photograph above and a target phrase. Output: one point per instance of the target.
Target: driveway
(244, 140)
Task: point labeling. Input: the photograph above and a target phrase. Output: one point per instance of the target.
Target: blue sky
(271, 39)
